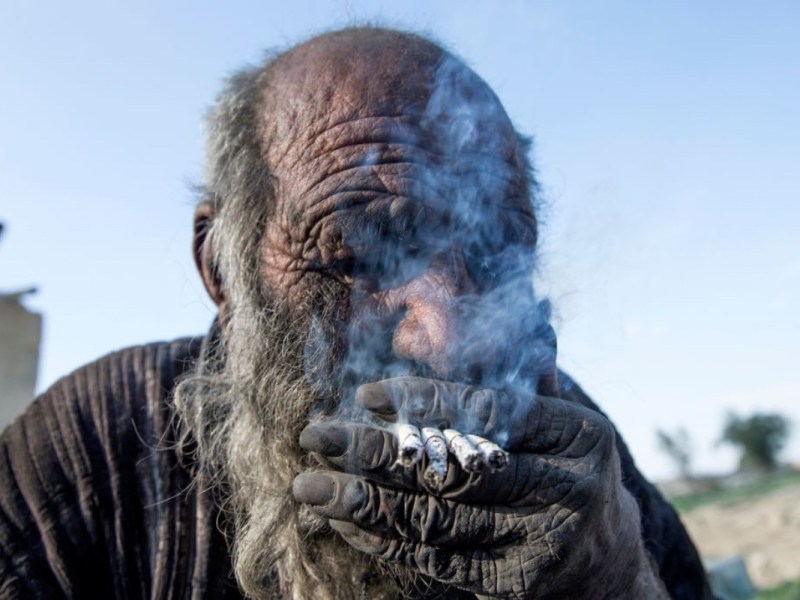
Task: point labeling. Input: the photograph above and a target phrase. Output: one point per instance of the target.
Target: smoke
(468, 245)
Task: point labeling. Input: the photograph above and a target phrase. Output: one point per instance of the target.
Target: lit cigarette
(410, 445)
(436, 449)
(493, 455)
(468, 456)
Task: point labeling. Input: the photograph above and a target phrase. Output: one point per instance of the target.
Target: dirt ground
(765, 531)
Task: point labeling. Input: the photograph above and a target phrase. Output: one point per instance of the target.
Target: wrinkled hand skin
(555, 523)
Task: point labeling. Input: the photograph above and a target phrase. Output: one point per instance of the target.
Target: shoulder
(149, 369)
(87, 418)
(109, 394)
(101, 414)
(83, 454)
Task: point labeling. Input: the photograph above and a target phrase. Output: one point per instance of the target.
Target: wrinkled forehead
(372, 137)
(421, 95)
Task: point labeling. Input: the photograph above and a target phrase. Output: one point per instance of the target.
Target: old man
(376, 412)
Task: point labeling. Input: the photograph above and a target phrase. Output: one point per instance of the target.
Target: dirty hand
(556, 522)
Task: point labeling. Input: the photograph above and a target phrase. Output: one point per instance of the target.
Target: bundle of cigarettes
(472, 452)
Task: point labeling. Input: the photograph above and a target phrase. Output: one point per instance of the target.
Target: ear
(204, 257)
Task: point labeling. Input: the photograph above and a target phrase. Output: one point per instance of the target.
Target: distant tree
(678, 446)
(760, 438)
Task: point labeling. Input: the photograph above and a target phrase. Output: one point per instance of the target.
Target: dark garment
(666, 539)
(94, 500)
(98, 498)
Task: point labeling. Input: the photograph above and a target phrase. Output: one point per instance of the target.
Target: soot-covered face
(402, 201)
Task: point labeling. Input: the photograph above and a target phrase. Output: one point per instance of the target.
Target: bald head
(365, 73)
(387, 72)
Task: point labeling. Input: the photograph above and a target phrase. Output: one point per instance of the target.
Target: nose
(432, 307)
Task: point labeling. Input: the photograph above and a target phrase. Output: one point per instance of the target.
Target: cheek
(280, 269)
(303, 291)
(286, 269)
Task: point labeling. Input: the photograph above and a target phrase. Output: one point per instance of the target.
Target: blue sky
(666, 140)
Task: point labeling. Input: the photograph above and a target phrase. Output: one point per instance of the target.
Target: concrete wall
(20, 333)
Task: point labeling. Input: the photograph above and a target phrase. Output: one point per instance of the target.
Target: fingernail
(328, 440)
(315, 489)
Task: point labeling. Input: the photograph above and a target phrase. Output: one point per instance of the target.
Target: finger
(353, 447)
(555, 426)
(529, 479)
(418, 399)
(468, 568)
(410, 515)
(377, 453)
(362, 539)
(516, 420)
(441, 404)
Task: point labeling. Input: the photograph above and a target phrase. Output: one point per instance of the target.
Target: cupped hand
(555, 522)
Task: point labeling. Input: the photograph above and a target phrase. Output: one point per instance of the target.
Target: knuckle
(596, 434)
(375, 450)
(401, 551)
(354, 498)
(375, 507)
(435, 563)
(481, 404)
(431, 519)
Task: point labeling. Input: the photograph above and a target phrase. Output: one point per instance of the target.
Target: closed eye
(343, 266)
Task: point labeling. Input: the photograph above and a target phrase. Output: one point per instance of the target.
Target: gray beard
(245, 406)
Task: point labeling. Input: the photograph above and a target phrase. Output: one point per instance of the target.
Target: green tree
(678, 446)
(760, 437)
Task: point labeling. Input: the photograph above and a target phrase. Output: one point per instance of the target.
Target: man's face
(401, 203)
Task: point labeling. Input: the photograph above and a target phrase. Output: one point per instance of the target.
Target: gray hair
(238, 182)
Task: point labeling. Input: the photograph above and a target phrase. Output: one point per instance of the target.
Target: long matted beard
(246, 405)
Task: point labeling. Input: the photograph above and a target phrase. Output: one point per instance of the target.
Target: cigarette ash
(434, 446)
(410, 446)
(436, 451)
(466, 452)
(493, 455)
